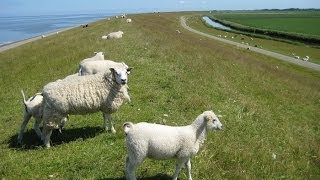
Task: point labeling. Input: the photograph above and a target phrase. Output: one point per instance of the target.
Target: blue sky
(35, 7)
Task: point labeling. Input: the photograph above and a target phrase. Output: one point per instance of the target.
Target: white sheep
(33, 108)
(97, 56)
(94, 67)
(115, 35)
(165, 142)
(129, 20)
(83, 95)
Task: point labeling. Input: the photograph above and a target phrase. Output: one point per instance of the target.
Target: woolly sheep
(94, 67)
(115, 35)
(33, 108)
(97, 56)
(83, 95)
(129, 20)
(164, 142)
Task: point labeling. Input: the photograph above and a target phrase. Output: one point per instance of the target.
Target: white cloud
(181, 2)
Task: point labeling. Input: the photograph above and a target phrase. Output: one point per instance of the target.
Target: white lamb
(97, 56)
(83, 95)
(129, 20)
(115, 35)
(165, 142)
(33, 108)
(94, 67)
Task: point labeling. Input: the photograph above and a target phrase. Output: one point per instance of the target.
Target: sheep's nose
(123, 81)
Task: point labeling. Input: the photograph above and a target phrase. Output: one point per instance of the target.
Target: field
(270, 108)
(293, 22)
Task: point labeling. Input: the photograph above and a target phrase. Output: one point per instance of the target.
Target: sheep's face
(121, 75)
(99, 54)
(213, 121)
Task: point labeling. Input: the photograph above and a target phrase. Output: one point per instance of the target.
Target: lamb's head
(121, 75)
(212, 120)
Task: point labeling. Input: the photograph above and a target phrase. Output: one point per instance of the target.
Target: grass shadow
(32, 141)
(156, 177)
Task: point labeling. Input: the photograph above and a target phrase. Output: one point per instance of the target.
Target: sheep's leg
(188, 166)
(131, 166)
(36, 127)
(179, 165)
(46, 134)
(26, 118)
(109, 118)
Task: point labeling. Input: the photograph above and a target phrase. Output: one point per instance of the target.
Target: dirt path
(255, 49)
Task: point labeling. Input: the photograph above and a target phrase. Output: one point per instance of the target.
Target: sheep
(129, 20)
(306, 58)
(94, 67)
(164, 142)
(115, 35)
(103, 92)
(97, 56)
(33, 108)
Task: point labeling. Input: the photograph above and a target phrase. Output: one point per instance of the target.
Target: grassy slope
(268, 106)
(276, 46)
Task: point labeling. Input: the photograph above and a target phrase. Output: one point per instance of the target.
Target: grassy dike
(270, 108)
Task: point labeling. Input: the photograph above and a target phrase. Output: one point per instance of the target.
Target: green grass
(295, 22)
(268, 106)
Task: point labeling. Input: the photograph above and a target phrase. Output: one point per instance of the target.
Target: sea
(17, 28)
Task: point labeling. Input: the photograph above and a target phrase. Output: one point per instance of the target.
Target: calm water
(215, 24)
(23, 27)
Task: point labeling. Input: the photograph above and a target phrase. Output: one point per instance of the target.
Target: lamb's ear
(126, 127)
(208, 117)
(112, 70)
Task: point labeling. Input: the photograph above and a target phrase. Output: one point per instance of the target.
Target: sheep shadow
(32, 141)
(156, 177)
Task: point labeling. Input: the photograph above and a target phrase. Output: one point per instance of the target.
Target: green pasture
(269, 108)
(299, 22)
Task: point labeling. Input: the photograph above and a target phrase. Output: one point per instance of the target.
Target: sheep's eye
(214, 120)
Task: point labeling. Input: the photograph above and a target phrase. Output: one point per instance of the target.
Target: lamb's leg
(46, 134)
(109, 118)
(131, 166)
(36, 127)
(179, 165)
(26, 118)
(188, 166)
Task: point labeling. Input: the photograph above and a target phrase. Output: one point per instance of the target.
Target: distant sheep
(33, 108)
(165, 142)
(129, 20)
(94, 67)
(115, 35)
(83, 95)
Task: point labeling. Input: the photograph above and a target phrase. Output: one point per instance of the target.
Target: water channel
(215, 24)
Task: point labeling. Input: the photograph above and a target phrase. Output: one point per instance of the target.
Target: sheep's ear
(129, 69)
(208, 117)
(112, 70)
(95, 52)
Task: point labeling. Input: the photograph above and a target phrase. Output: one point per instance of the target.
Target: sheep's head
(100, 55)
(213, 121)
(121, 75)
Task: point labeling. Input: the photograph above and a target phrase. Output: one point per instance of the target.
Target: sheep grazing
(306, 58)
(129, 20)
(94, 67)
(96, 57)
(83, 95)
(33, 108)
(165, 142)
(115, 35)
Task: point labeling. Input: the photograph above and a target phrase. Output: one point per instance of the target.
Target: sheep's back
(78, 95)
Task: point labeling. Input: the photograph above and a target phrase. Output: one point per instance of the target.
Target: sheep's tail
(24, 98)
(127, 126)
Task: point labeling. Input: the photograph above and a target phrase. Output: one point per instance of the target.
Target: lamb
(129, 20)
(115, 35)
(164, 142)
(97, 56)
(83, 95)
(94, 67)
(33, 107)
